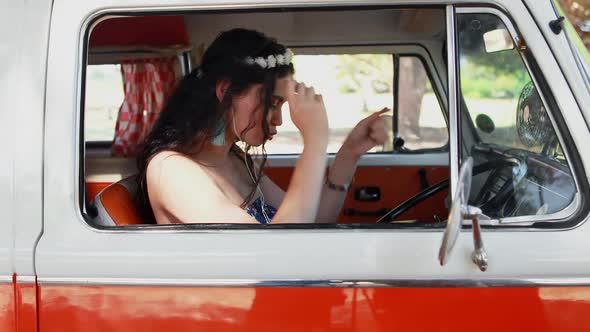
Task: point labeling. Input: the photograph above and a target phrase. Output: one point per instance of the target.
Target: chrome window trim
(453, 89)
(6, 279)
(575, 204)
(21, 279)
(300, 283)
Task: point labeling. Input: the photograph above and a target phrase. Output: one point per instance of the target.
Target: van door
(358, 277)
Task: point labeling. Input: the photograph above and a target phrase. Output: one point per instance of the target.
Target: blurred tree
(578, 12)
(365, 74)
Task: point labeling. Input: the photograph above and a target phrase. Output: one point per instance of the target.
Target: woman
(192, 171)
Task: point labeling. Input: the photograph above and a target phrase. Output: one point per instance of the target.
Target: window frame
(573, 214)
(427, 156)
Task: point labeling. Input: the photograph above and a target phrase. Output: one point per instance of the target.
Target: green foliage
(360, 73)
(493, 75)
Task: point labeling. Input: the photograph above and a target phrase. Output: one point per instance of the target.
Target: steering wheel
(482, 200)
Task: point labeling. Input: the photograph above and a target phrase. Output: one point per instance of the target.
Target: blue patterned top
(255, 210)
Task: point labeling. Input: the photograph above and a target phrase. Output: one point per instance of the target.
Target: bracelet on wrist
(337, 187)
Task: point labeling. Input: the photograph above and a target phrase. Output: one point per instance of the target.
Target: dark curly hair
(190, 115)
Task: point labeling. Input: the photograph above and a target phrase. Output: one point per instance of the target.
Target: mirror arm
(479, 255)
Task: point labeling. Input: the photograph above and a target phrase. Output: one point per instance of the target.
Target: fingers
(378, 131)
(372, 117)
(288, 88)
(384, 110)
(300, 89)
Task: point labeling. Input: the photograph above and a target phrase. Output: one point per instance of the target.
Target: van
(472, 217)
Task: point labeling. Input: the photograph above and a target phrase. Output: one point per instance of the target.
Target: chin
(255, 141)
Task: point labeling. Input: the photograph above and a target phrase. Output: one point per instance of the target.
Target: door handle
(367, 194)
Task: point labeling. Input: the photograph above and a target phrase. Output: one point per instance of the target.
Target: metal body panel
(22, 100)
(9, 23)
(125, 308)
(71, 248)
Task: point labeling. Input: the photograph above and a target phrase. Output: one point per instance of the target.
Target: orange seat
(115, 204)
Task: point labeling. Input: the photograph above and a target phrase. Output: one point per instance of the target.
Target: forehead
(279, 90)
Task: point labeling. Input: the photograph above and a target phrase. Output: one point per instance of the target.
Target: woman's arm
(368, 133)
(301, 201)
(340, 172)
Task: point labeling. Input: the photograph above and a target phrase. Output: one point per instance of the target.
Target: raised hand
(307, 111)
(368, 133)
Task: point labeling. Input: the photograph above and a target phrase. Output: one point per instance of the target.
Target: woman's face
(248, 112)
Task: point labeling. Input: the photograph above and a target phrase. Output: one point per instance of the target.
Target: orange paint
(26, 307)
(135, 308)
(7, 314)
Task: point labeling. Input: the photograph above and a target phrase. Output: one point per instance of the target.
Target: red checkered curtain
(148, 83)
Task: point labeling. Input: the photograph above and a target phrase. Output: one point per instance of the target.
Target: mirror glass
(455, 214)
(485, 123)
(497, 40)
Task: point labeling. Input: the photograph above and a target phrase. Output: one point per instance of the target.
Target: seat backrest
(115, 204)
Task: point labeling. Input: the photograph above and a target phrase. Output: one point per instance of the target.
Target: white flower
(261, 62)
(288, 56)
(272, 61)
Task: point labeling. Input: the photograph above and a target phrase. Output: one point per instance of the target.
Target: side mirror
(497, 40)
(461, 210)
(455, 219)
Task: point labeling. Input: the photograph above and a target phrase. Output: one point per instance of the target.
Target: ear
(220, 88)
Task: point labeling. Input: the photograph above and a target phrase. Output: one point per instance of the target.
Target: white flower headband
(271, 61)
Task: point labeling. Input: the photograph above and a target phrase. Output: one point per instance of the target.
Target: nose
(276, 118)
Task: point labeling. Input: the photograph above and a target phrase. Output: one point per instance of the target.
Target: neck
(217, 153)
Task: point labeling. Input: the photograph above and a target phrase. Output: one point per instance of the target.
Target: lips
(271, 134)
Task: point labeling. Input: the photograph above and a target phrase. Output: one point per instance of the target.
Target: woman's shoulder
(171, 165)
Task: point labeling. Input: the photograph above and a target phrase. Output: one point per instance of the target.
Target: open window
(358, 71)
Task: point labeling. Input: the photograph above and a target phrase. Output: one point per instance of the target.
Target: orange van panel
(7, 312)
(26, 307)
(144, 308)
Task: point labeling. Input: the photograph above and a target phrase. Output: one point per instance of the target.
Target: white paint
(9, 53)
(24, 29)
(70, 248)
